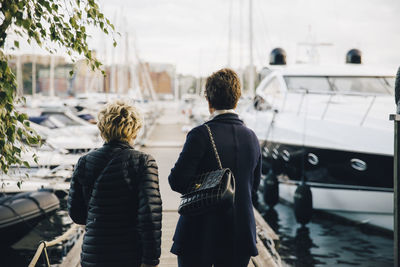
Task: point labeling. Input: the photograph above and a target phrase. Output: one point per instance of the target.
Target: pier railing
(42, 248)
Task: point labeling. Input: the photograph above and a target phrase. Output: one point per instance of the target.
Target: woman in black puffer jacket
(115, 193)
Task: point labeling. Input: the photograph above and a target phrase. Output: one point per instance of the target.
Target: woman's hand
(146, 265)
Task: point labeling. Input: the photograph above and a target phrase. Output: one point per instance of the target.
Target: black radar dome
(353, 56)
(277, 57)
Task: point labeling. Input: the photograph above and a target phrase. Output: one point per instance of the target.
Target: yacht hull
(362, 206)
(329, 166)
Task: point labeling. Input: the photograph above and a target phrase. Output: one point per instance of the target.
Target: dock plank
(73, 257)
(170, 219)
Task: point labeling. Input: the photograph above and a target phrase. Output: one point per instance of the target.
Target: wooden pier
(165, 143)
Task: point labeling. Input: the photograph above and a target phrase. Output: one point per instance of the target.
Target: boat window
(272, 88)
(377, 85)
(390, 83)
(64, 119)
(48, 123)
(310, 83)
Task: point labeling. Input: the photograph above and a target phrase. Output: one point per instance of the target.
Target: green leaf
(55, 7)
(17, 150)
(26, 23)
(22, 117)
(16, 44)
(14, 8)
(47, 5)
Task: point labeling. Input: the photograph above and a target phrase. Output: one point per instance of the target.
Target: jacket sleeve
(257, 178)
(188, 161)
(150, 213)
(76, 203)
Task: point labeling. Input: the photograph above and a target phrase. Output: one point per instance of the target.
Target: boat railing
(305, 93)
(43, 245)
(345, 93)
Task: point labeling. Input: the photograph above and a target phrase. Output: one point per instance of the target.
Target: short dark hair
(223, 89)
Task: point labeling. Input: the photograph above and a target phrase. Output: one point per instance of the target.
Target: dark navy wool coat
(217, 235)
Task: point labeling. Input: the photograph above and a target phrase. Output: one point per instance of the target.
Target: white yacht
(329, 126)
(67, 131)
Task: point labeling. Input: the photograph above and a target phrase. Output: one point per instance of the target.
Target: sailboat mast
(251, 65)
(230, 33)
(34, 75)
(51, 86)
(113, 77)
(127, 62)
(20, 86)
(241, 44)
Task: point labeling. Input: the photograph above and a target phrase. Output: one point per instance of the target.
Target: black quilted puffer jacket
(115, 193)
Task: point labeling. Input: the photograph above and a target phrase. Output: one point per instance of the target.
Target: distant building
(85, 79)
(61, 80)
(162, 77)
(33, 73)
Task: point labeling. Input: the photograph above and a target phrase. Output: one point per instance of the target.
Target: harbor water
(326, 240)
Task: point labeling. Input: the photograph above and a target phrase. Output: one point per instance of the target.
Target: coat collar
(118, 143)
(220, 112)
(227, 117)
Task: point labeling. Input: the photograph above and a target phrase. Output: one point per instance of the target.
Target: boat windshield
(310, 83)
(65, 120)
(375, 85)
(361, 84)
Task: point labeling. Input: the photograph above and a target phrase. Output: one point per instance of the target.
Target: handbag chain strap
(214, 146)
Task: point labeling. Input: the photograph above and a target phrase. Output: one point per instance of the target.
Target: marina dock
(164, 143)
(317, 83)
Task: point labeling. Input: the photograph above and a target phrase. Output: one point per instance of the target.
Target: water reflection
(326, 241)
(271, 217)
(303, 245)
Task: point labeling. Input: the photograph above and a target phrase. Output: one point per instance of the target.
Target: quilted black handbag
(209, 191)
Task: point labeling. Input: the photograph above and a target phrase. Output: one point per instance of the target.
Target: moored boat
(329, 127)
(21, 212)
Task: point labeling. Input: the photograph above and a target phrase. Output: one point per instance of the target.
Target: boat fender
(265, 167)
(303, 204)
(46, 189)
(271, 189)
(61, 194)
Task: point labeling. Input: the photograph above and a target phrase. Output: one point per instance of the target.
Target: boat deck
(165, 143)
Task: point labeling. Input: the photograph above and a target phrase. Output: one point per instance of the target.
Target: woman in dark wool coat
(115, 193)
(225, 237)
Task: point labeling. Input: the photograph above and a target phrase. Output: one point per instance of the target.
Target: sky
(193, 35)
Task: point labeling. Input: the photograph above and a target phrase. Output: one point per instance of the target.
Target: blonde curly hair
(119, 121)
